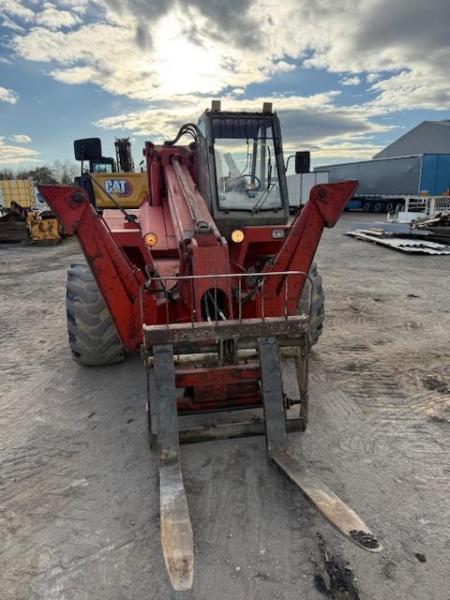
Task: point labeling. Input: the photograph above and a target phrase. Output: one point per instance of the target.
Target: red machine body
(208, 308)
(166, 284)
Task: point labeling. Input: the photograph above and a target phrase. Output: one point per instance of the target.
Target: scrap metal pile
(24, 215)
(438, 227)
(427, 235)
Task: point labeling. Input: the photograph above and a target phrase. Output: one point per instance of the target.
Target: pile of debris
(429, 235)
(438, 227)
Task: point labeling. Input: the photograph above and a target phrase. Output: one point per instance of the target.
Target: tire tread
(93, 338)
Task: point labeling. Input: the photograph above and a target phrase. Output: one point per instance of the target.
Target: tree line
(60, 172)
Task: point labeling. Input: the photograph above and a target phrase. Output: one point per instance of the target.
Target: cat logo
(121, 187)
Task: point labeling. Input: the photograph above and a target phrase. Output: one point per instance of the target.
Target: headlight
(237, 236)
(278, 234)
(150, 239)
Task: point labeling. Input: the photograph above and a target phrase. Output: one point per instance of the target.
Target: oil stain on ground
(334, 578)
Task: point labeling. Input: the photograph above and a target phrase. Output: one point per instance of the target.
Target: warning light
(237, 236)
(150, 239)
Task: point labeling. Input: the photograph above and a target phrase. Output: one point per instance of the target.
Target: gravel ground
(78, 485)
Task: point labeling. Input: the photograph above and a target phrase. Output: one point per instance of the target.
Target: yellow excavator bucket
(20, 219)
(43, 230)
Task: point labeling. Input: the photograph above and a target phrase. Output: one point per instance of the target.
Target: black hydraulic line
(218, 310)
(190, 128)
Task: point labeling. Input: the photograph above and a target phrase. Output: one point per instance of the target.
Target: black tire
(317, 303)
(367, 206)
(93, 337)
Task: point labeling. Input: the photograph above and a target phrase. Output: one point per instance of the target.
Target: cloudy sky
(346, 76)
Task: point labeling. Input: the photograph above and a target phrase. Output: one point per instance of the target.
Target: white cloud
(308, 122)
(74, 75)
(351, 80)
(20, 138)
(10, 154)
(77, 6)
(339, 152)
(15, 8)
(372, 77)
(405, 36)
(414, 89)
(11, 24)
(9, 96)
(171, 54)
(193, 46)
(100, 53)
(107, 54)
(54, 18)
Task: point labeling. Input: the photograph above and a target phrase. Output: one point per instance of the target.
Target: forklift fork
(176, 528)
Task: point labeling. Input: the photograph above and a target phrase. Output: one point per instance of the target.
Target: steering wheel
(253, 178)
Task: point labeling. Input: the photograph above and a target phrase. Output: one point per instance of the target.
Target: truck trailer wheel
(93, 337)
(317, 303)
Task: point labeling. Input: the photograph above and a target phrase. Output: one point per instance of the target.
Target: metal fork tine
(176, 529)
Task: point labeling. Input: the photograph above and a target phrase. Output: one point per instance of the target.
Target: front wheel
(93, 338)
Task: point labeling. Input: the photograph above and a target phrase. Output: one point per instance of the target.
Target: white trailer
(299, 187)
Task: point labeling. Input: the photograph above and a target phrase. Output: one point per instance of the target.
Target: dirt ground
(78, 484)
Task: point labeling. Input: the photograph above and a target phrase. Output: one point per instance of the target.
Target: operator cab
(241, 171)
(102, 165)
(90, 149)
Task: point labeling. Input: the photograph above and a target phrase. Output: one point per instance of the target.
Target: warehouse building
(418, 163)
(430, 137)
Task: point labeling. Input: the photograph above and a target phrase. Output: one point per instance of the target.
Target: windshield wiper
(260, 202)
(269, 168)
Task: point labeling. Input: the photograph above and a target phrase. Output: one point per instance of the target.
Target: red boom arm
(326, 203)
(119, 281)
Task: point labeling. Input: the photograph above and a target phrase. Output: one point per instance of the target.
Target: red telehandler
(205, 278)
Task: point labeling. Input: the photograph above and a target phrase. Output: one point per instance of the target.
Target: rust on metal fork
(176, 528)
(335, 511)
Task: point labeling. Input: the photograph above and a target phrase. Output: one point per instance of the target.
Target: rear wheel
(93, 338)
(317, 303)
(378, 207)
(390, 207)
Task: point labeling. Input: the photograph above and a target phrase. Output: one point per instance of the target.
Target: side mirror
(88, 149)
(302, 161)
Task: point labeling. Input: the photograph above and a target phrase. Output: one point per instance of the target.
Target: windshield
(246, 168)
(101, 167)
